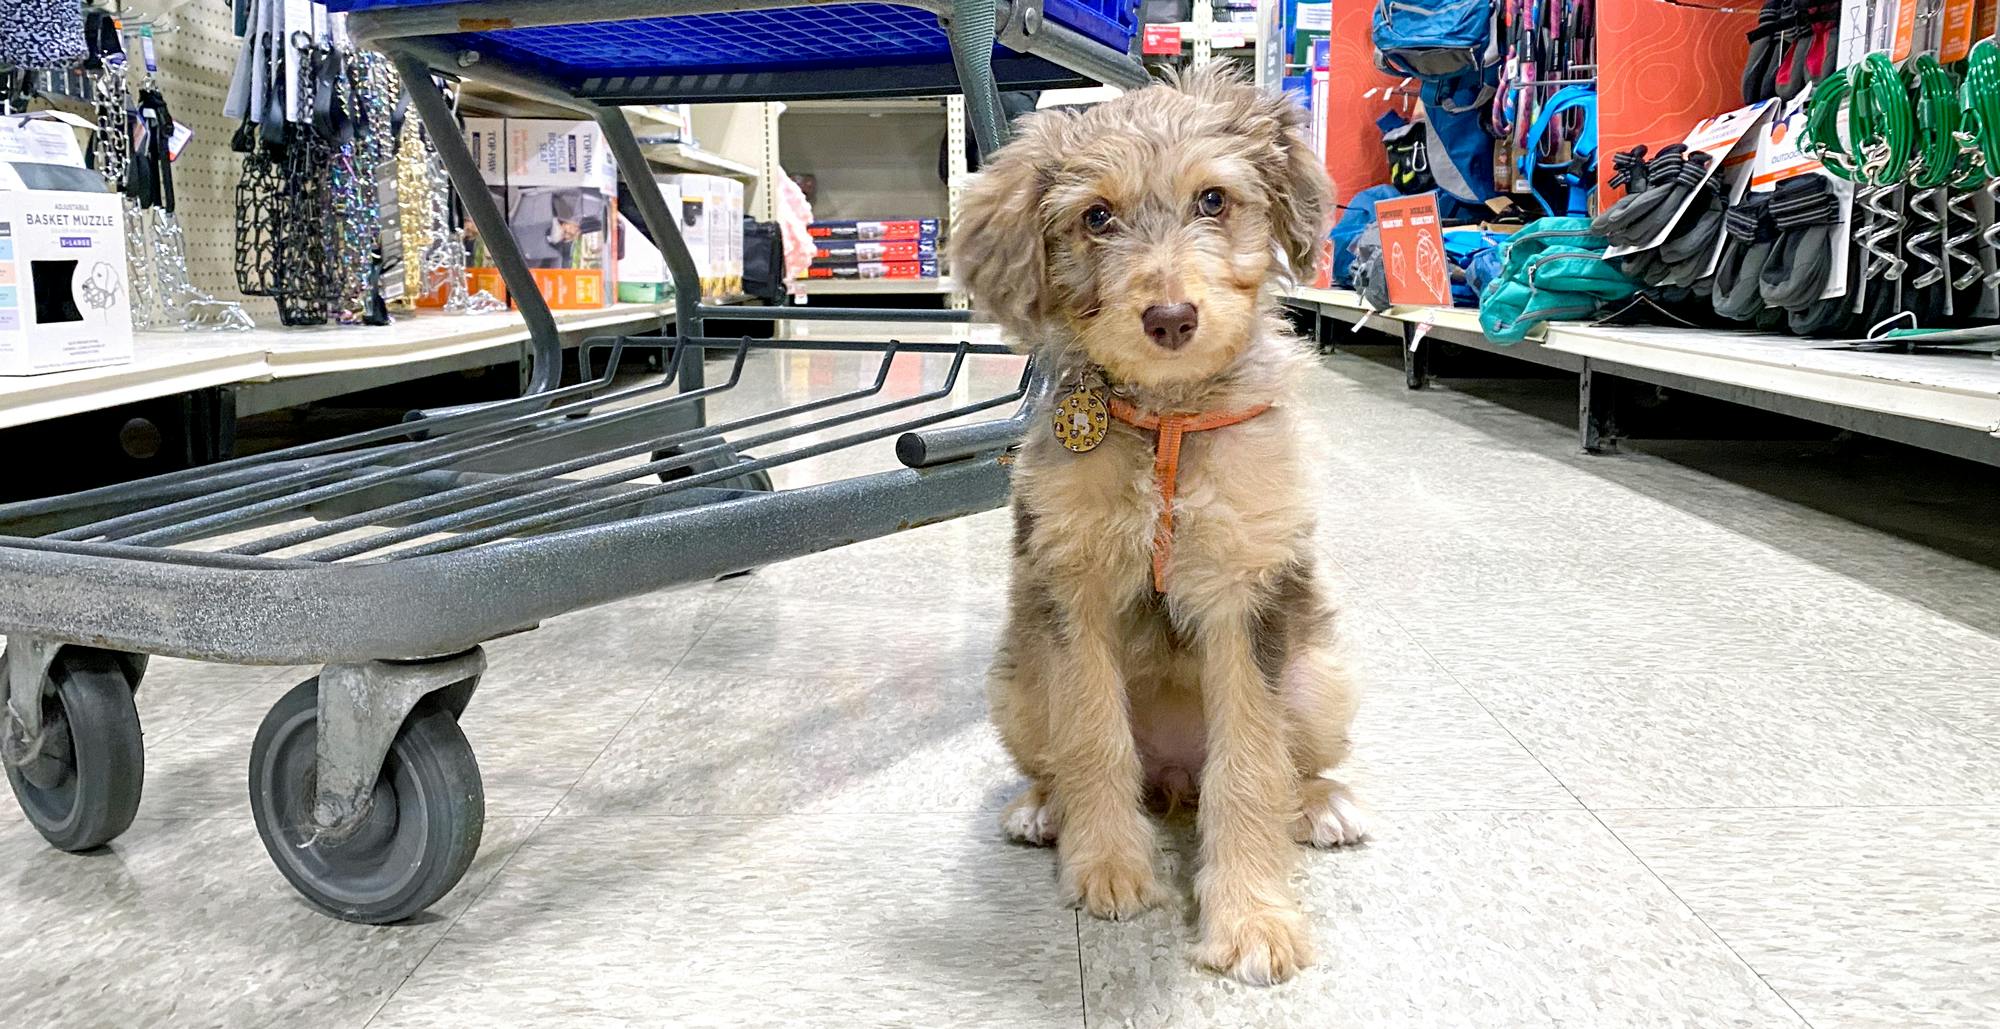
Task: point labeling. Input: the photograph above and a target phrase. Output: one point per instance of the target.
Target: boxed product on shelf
(733, 232)
(554, 152)
(875, 270)
(701, 207)
(562, 208)
(834, 251)
(487, 139)
(906, 228)
(567, 236)
(643, 277)
(64, 302)
(556, 183)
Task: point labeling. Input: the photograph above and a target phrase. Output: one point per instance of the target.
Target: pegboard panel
(196, 60)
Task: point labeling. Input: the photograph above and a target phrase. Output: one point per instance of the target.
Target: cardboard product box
(905, 228)
(643, 276)
(875, 270)
(699, 209)
(854, 251)
(65, 300)
(487, 138)
(553, 152)
(733, 231)
(569, 237)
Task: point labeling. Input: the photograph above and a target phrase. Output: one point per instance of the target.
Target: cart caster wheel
(757, 481)
(420, 832)
(82, 788)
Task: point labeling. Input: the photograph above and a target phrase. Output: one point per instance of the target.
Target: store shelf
(694, 159)
(913, 105)
(1944, 400)
(877, 287)
(275, 368)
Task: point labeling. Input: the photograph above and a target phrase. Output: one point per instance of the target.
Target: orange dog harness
(1167, 463)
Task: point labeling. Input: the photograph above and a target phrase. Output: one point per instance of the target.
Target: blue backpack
(1449, 46)
(1434, 39)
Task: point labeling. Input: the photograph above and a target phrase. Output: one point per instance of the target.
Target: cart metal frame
(463, 525)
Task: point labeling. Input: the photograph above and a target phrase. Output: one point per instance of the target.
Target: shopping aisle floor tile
(1769, 739)
(1449, 919)
(850, 920)
(187, 923)
(1884, 917)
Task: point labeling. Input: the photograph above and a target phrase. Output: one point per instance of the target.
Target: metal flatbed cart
(431, 537)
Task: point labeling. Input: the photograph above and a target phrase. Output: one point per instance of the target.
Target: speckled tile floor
(1650, 746)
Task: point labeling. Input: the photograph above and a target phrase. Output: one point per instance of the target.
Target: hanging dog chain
(414, 212)
(304, 260)
(175, 302)
(350, 185)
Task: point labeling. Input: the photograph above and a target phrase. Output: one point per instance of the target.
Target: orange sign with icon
(1413, 251)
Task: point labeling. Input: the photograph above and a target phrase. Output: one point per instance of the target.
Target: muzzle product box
(64, 298)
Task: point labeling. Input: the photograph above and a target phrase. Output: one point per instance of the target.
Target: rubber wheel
(758, 481)
(82, 789)
(419, 835)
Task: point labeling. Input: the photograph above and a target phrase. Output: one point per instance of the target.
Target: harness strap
(1167, 463)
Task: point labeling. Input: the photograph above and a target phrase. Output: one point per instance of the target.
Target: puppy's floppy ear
(998, 249)
(1301, 194)
(1294, 180)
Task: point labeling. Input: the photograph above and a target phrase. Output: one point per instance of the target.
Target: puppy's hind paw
(1030, 818)
(1329, 815)
(1268, 946)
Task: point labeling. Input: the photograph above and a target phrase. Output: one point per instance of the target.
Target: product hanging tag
(146, 48)
(1082, 419)
(177, 140)
(1957, 39)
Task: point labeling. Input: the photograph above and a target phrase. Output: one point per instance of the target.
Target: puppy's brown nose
(1170, 325)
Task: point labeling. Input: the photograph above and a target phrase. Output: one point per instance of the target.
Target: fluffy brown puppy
(1133, 247)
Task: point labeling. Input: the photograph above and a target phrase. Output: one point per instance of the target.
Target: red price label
(1161, 39)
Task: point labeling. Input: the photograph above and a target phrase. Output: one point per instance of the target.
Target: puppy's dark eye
(1210, 203)
(1097, 219)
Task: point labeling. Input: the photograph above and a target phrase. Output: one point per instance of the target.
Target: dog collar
(1167, 463)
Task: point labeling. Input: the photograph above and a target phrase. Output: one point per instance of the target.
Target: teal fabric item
(1554, 269)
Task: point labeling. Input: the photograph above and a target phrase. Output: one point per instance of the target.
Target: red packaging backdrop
(1661, 69)
(1354, 155)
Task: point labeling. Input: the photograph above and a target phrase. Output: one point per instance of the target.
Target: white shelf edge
(695, 159)
(878, 287)
(909, 105)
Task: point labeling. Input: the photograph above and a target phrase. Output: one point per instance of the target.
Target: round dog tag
(1082, 419)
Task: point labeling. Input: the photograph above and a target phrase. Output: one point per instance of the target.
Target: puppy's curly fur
(1105, 691)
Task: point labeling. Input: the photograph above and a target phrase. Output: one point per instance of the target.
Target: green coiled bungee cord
(1937, 158)
(1880, 123)
(1979, 104)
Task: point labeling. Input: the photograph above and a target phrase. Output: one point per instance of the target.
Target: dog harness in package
(63, 298)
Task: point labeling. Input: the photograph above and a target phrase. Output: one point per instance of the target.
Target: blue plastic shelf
(837, 35)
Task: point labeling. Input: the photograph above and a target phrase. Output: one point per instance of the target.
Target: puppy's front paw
(1110, 888)
(1266, 946)
(1329, 816)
